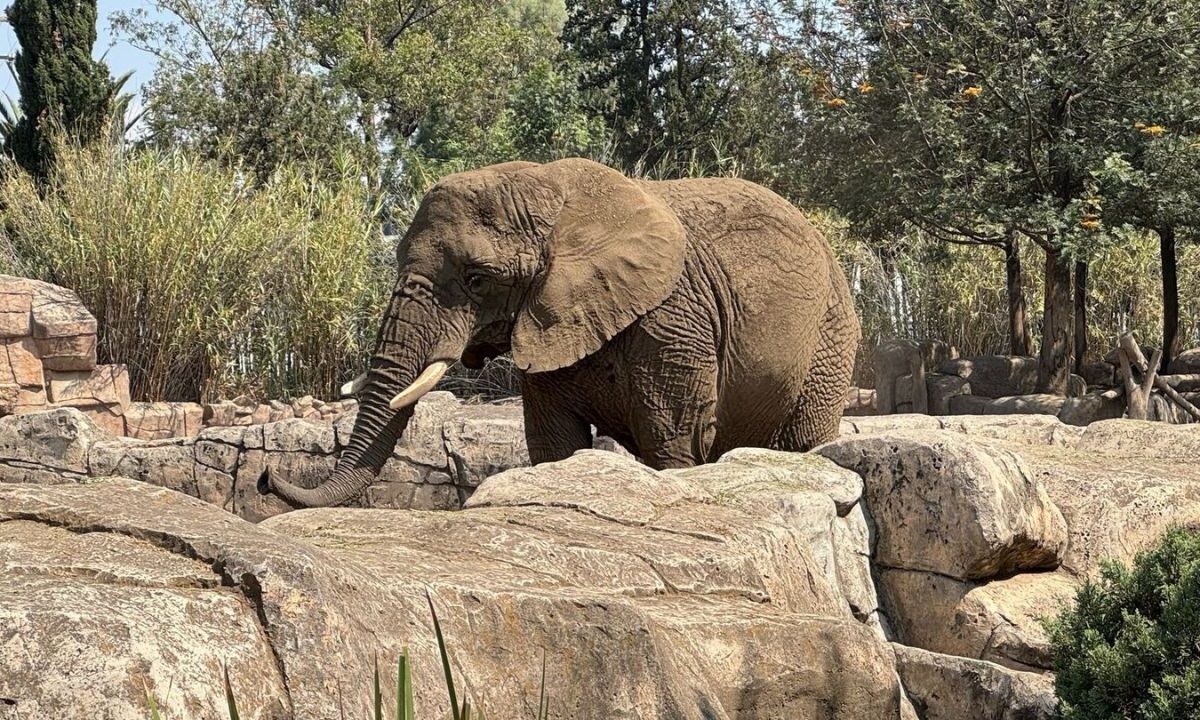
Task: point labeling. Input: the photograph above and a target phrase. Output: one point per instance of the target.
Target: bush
(204, 282)
(1130, 648)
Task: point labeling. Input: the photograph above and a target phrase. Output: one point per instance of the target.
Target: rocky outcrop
(944, 687)
(945, 505)
(691, 594)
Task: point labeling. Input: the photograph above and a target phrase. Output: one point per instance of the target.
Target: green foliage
(203, 284)
(1127, 650)
(62, 88)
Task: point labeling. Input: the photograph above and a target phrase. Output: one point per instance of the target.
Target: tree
(233, 86)
(661, 74)
(62, 88)
(980, 119)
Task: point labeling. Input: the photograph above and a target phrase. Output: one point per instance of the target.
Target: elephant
(682, 318)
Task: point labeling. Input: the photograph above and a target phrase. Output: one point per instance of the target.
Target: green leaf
(447, 672)
(404, 692)
(230, 702)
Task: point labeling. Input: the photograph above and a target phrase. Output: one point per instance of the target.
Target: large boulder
(653, 595)
(1000, 621)
(1185, 363)
(995, 376)
(50, 446)
(944, 504)
(943, 687)
(93, 623)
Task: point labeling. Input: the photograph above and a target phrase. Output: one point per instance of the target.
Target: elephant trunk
(399, 371)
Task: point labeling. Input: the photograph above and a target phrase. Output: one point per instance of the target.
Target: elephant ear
(614, 252)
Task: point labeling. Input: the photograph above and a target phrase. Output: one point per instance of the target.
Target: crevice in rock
(707, 537)
(247, 585)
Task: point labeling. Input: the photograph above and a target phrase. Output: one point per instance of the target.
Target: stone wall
(930, 378)
(449, 448)
(899, 573)
(49, 361)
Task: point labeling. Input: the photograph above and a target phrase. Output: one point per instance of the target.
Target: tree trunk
(1054, 364)
(1019, 340)
(1170, 294)
(1081, 321)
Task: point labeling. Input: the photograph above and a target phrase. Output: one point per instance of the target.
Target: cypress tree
(62, 87)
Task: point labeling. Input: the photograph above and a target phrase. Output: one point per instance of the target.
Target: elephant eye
(477, 281)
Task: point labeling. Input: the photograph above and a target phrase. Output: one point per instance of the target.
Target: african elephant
(682, 318)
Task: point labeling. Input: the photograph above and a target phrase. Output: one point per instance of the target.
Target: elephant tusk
(354, 386)
(423, 384)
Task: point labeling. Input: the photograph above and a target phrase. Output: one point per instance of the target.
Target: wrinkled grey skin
(681, 318)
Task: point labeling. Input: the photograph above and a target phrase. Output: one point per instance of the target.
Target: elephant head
(548, 261)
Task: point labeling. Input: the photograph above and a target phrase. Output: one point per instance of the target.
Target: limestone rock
(1032, 404)
(995, 376)
(334, 589)
(971, 405)
(1120, 489)
(885, 423)
(942, 687)
(942, 388)
(57, 440)
(91, 622)
(1091, 408)
(163, 420)
(299, 436)
(106, 385)
(799, 470)
(483, 440)
(1000, 621)
(1186, 363)
(165, 463)
(1019, 429)
(944, 504)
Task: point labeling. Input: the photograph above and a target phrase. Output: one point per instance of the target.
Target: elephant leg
(552, 430)
(674, 422)
(818, 411)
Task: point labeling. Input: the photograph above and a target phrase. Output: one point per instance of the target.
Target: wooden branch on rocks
(1184, 382)
(1138, 393)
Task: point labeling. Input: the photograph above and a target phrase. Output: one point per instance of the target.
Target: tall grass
(203, 281)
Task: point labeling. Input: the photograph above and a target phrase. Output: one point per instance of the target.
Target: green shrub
(1130, 648)
(203, 281)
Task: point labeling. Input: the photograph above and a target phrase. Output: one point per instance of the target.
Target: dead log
(1137, 393)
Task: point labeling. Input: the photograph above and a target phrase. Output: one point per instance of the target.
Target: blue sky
(121, 58)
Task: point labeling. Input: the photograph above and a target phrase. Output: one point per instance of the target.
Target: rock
(1099, 373)
(57, 441)
(106, 385)
(162, 420)
(72, 353)
(299, 436)
(1141, 439)
(165, 463)
(784, 469)
(886, 423)
(1020, 429)
(423, 441)
(1147, 351)
(1092, 407)
(1119, 489)
(219, 414)
(1000, 621)
(896, 357)
(219, 447)
(942, 388)
(20, 364)
(971, 405)
(1036, 404)
(852, 547)
(942, 687)
(484, 440)
(995, 376)
(945, 504)
(109, 417)
(334, 589)
(1186, 363)
(15, 305)
(102, 620)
